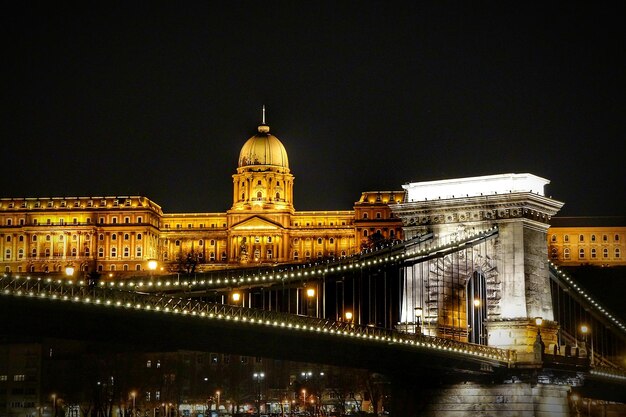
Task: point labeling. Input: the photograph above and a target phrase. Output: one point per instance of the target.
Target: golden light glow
(310, 292)
(348, 315)
(584, 329)
(69, 271)
(236, 296)
(539, 321)
(152, 264)
(476, 302)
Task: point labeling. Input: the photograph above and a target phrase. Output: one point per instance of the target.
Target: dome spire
(263, 128)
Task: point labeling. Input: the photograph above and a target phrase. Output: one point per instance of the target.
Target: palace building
(121, 234)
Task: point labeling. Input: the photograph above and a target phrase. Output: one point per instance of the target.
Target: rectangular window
(19, 377)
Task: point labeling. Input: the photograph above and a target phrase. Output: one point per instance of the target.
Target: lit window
(101, 252)
(566, 254)
(149, 364)
(19, 377)
(605, 253)
(126, 251)
(7, 254)
(113, 252)
(593, 253)
(581, 253)
(618, 253)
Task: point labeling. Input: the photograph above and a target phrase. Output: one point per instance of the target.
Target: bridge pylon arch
(514, 261)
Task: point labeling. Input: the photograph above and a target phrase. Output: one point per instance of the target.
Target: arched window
(113, 252)
(126, 236)
(295, 255)
(34, 253)
(605, 252)
(20, 253)
(211, 256)
(566, 253)
(364, 233)
(553, 238)
(581, 238)
(566, 238)
(365, 215)
(138, 267)
(476, 305)
(139, 236)
(100, 236)
(101, 252)
(319, 241)
(177, 243)
(277, 196)
(581, 253)
(125, 267)
(126, 251)
(319, 255)
(331, 241)
(87, 251)
(616, 238)
(307, 255)
(200, 242)
(259, 196)
(113, 236)
(112, 268)
(618, 253)
(555, 253)
(74, 252)
(8, 238)
(593, 253)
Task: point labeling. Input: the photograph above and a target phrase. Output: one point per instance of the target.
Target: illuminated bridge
(467, 307)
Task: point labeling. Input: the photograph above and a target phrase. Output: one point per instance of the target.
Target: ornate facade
(119, 235)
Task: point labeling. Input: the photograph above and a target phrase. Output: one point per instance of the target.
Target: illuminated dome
(263, 149)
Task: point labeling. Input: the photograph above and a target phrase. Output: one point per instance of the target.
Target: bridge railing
(78, 292)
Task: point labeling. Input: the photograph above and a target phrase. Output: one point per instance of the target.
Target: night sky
(156, 99)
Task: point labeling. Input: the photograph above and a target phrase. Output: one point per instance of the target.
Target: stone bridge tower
(515, 268)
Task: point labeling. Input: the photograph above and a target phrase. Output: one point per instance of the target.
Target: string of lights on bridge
(303, 271)
(587, 297)
(502, 356)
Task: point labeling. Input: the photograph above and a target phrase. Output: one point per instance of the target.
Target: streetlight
(417, 320)
(133, 394)
(584, 329)
(258, 377)
(69, 270)
(54, 404)
(310, 293)
(152, 266)
(236, 296)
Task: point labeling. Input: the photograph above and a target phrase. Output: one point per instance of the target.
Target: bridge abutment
(484, 400)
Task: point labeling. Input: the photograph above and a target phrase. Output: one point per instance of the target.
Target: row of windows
(320, 255)
(17, 377)
(343, 223)
(90, 203)
(74, 252)
(33, 238)
(22, 222)
(191, 226)
(581, 238)
(581, 253)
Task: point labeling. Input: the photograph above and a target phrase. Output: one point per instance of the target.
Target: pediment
(256, 223)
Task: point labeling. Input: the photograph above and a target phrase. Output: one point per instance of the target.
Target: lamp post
(584, 329)
(152, 266)
(538, 346)
(258, 377)
(236, 296)
(417, 320)
(54, 405)
(310, 294)
(217, 395)
(133, 395)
